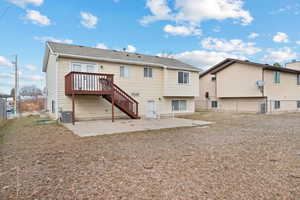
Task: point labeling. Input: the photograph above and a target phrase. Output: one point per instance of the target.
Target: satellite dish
(260, 84)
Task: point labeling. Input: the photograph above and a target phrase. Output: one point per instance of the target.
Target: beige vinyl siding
(239, 80)
(92, 107)
(287, 89)
(293, 65)
(207, 85)
(175, 89)
(51, 76)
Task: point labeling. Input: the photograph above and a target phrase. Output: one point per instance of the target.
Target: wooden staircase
(83, 83)
(124, 102)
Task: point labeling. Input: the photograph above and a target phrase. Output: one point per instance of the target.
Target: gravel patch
(242, 156)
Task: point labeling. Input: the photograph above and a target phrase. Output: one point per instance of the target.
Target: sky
(199, 32)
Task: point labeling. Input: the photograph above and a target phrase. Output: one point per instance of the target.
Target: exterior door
(151, 112)
(81, 84)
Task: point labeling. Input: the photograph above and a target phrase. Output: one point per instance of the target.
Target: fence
(249, 105)
(3, 114)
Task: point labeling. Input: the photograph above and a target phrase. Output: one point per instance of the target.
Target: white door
(151, 112)
(81, 83)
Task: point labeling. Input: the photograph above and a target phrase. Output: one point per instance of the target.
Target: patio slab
(106, 127)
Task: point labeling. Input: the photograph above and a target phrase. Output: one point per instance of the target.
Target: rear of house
(80, 79)
(235, 85)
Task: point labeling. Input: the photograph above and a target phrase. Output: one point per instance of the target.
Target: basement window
(214, 104)
(53, 106)
(277, 105)
(179, 105)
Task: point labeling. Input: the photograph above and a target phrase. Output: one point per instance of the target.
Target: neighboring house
(235, 85)
(88, 81)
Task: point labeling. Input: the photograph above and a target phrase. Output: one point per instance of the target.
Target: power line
(4, 12)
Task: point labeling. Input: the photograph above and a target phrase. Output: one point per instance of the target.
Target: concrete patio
(106, 127)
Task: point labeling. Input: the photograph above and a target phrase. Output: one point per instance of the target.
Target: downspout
(263, 89)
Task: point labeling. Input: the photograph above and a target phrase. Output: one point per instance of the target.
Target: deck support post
(113, 107)
(73, 108)
(112, 100)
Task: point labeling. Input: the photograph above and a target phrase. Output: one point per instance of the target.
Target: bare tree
(32, 91)
(277, 65)
(166, 54)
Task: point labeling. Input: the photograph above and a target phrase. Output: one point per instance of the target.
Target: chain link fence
(250, 105)
(3, 113)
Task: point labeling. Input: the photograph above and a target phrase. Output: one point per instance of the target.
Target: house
(236, 85)
(96, 83)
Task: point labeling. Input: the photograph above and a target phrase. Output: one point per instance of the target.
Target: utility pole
(16, 84)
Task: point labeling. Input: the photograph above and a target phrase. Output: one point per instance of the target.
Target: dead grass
(242, 156)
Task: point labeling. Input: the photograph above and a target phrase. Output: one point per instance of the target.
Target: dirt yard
(242, 156)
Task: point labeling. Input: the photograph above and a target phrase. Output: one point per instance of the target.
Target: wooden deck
(83, 83)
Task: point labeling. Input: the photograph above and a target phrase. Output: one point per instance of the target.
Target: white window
(179, 105)
(76, 67)
(277, 77)
(91, 68)
(84, 67)
(148, 72)
(183, 77)
(124, 71)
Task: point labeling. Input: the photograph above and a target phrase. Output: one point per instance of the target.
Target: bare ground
(242, 156)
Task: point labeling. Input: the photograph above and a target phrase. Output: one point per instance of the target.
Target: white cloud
(24, 3)
(31, 67)
(159, 10)
(217, 29)
(298, 42)
(253, 35)
(32, 77)
(131, 49)
(204, 59)
(52, 39)
(37, 18)
(181, 30)
(101, 46)
(5, 62)
(281, 37)
(196, 11)
(88, 20)
(6, 75)
(280, 55)
(237, 46)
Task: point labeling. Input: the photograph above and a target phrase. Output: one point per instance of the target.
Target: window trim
(147, 73)
(298, 104)
(277, 77)
(128, 72)
(53, 110)
(85, 64)
(214, 104)
(188, 80)
(277, 106)
(179, 107)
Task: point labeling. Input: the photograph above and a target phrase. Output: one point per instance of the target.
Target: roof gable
(228, 62)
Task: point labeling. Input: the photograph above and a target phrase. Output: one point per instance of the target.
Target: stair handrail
(124, 93)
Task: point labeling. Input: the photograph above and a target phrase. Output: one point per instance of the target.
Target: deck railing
(88, 83)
